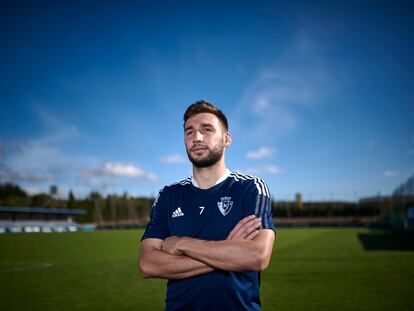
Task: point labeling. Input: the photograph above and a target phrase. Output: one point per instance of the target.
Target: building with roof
(33, 219)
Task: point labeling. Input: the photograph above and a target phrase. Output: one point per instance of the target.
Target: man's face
(205, 139)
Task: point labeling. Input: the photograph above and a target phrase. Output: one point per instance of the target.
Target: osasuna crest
(225, 205)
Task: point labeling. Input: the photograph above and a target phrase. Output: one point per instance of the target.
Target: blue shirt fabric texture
(182, 209)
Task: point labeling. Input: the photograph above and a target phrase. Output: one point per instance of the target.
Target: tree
(71, 200)
(12, 195)
(42, 200)
(9, 190)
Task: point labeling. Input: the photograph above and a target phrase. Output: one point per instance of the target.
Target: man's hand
(170, 245)
(246, 248)
(155, 263)
(246, 229)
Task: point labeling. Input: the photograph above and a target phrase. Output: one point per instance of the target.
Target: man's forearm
(245, 248)
(155, 263)
(230, 255)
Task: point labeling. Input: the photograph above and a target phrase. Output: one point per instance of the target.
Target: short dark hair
(201, 106)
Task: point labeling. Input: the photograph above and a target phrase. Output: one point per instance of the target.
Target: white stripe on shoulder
(260, 184)
(183, 182)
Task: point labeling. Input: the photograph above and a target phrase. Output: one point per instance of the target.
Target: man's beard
(214, 155)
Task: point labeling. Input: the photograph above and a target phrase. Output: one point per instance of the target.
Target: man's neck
(207, 177)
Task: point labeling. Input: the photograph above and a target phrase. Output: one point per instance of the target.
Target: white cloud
(33, 155)
(7, 175)
(271, 169)
(31, 161)
(271, 105)
(266, 103)
(118, 169)
(36, 177)
(391, 173)
(262, 152)
(41, 157)
(264, 170)
(37, 162)
(173, 159)
(125, 170)
(104, 173)
(58, 129)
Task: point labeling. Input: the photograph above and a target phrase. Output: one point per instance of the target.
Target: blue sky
(319, 96)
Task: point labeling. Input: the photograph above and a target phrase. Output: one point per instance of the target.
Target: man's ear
(227, 139)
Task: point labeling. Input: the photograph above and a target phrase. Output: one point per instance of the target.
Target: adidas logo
(177, 213)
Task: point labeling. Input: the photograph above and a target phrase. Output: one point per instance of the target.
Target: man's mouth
(198, 148)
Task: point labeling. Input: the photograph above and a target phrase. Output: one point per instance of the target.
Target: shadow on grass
(387, 241)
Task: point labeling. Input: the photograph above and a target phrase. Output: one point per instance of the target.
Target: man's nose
(198, 136)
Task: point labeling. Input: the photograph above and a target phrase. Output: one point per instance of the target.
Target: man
(211, 234)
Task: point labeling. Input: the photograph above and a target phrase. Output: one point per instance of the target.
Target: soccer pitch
(311, 269)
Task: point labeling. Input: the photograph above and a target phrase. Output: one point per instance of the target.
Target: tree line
(104, 210)
(124, 209)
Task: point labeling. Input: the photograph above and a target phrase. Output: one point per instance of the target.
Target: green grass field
(311, 269)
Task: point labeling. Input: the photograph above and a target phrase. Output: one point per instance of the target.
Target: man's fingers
(249, 227)
(245, 227)
(252, 235)
(244, 221)
(239, 225)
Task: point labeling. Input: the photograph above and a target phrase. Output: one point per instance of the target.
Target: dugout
(35, 219)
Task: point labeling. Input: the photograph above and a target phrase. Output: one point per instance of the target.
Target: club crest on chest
(225, 205)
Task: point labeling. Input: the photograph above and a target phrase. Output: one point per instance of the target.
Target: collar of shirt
(222, 178)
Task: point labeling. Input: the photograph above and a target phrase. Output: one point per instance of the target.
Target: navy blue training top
(210, 214)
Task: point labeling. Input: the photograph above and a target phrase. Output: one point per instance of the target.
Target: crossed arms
(245, 249)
